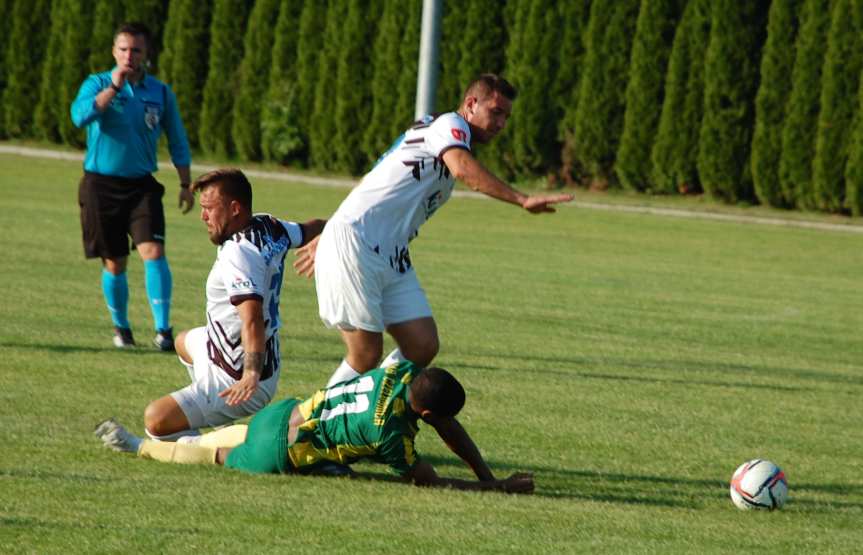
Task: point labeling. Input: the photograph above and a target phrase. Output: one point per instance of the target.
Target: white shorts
(357, 288)
(200, 400)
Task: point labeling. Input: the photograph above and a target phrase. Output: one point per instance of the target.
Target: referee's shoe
(164, 340)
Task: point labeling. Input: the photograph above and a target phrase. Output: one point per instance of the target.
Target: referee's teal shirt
(122, 140)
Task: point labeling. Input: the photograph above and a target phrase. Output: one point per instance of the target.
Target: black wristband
(185, 185)
(115, 87)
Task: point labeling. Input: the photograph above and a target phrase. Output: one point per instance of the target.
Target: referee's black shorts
(116, 208)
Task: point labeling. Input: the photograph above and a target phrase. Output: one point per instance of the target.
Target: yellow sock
(173, 452)
(230, 436)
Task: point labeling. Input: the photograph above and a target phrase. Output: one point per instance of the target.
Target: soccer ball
(758, 484)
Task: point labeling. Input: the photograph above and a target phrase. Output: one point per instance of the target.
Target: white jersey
(406, 186)
(249, 265)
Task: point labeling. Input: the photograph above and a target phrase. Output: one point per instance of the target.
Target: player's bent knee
(164, 417)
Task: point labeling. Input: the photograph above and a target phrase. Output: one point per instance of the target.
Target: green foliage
(533, 124)
(313, 21)
(221, 87)
(187, 41)
(854, 167)
(254, 79)
(675, 149)
(799, 130)
(651, 48)
(403, 113)
(449, 88)
(839, 105)
(482, 39)
(599, 117)
(47, 112)
(107, 16)
(353, 83)
(5, 25)
(777, 63)
(281, 140)
(386, 70)
(730, 85)
(322, 126)
(26, 54)
(574, 16)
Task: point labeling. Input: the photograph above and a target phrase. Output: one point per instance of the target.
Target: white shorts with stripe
(200, 400)
(357, 288)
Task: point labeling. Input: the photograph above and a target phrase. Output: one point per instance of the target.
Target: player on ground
(233, 361)
(363, 273)
(125, 111)
(374, 416)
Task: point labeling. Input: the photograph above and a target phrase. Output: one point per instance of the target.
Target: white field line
(347, 183)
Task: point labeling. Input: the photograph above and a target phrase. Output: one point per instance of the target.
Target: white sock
(342, 374)
(393, 358)
(175, 436)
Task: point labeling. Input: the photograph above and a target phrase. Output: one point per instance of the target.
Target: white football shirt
(406, 186)
(249, 265)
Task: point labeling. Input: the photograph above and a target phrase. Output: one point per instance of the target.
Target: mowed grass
(630, 362)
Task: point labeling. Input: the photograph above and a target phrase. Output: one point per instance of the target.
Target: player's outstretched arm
(304, 265)
(457, 439)
(423, 474)
(466, 168)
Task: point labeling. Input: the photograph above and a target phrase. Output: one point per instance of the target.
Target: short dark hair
(483, 86)
(438, 391)
(136, 29)
(231, 182)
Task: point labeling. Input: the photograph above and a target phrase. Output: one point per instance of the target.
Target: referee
(125, 111)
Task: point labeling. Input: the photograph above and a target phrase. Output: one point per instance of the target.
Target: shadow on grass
(644, 489)
(641, 379)
(140, 350)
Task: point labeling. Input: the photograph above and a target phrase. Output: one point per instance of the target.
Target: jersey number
(360, 402)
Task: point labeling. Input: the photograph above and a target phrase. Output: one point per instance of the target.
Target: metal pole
(427, 72)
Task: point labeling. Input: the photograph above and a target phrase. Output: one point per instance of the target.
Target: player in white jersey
(363, 273)
(233, 361)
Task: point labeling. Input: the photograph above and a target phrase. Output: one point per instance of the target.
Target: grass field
(629, 361)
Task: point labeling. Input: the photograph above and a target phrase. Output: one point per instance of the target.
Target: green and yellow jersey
(368, 417)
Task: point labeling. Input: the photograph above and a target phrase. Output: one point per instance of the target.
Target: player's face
(130, 51)
(218, 213)
(487, 117)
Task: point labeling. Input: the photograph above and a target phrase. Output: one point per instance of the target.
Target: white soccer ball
(758, 484)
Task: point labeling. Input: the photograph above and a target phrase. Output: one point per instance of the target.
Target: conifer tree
(481, 42)
(322, 126)
(452, 26)
(534, 123)
(107, 16)
(386, 66)
(171, 36)
(730, 83)
(220, 89)
(76, 51)
(254, 78)
(403, 113)
(6, 8)
(574, 16)
(187, 36)
(281, 139)
(777, 63)
(310, 44)
(25, 54)
(839, 105)
(353, 83)
(854, 167)
(799, 129)
(654, 34)
(599, 118)
(675, 150)
(46, 114)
